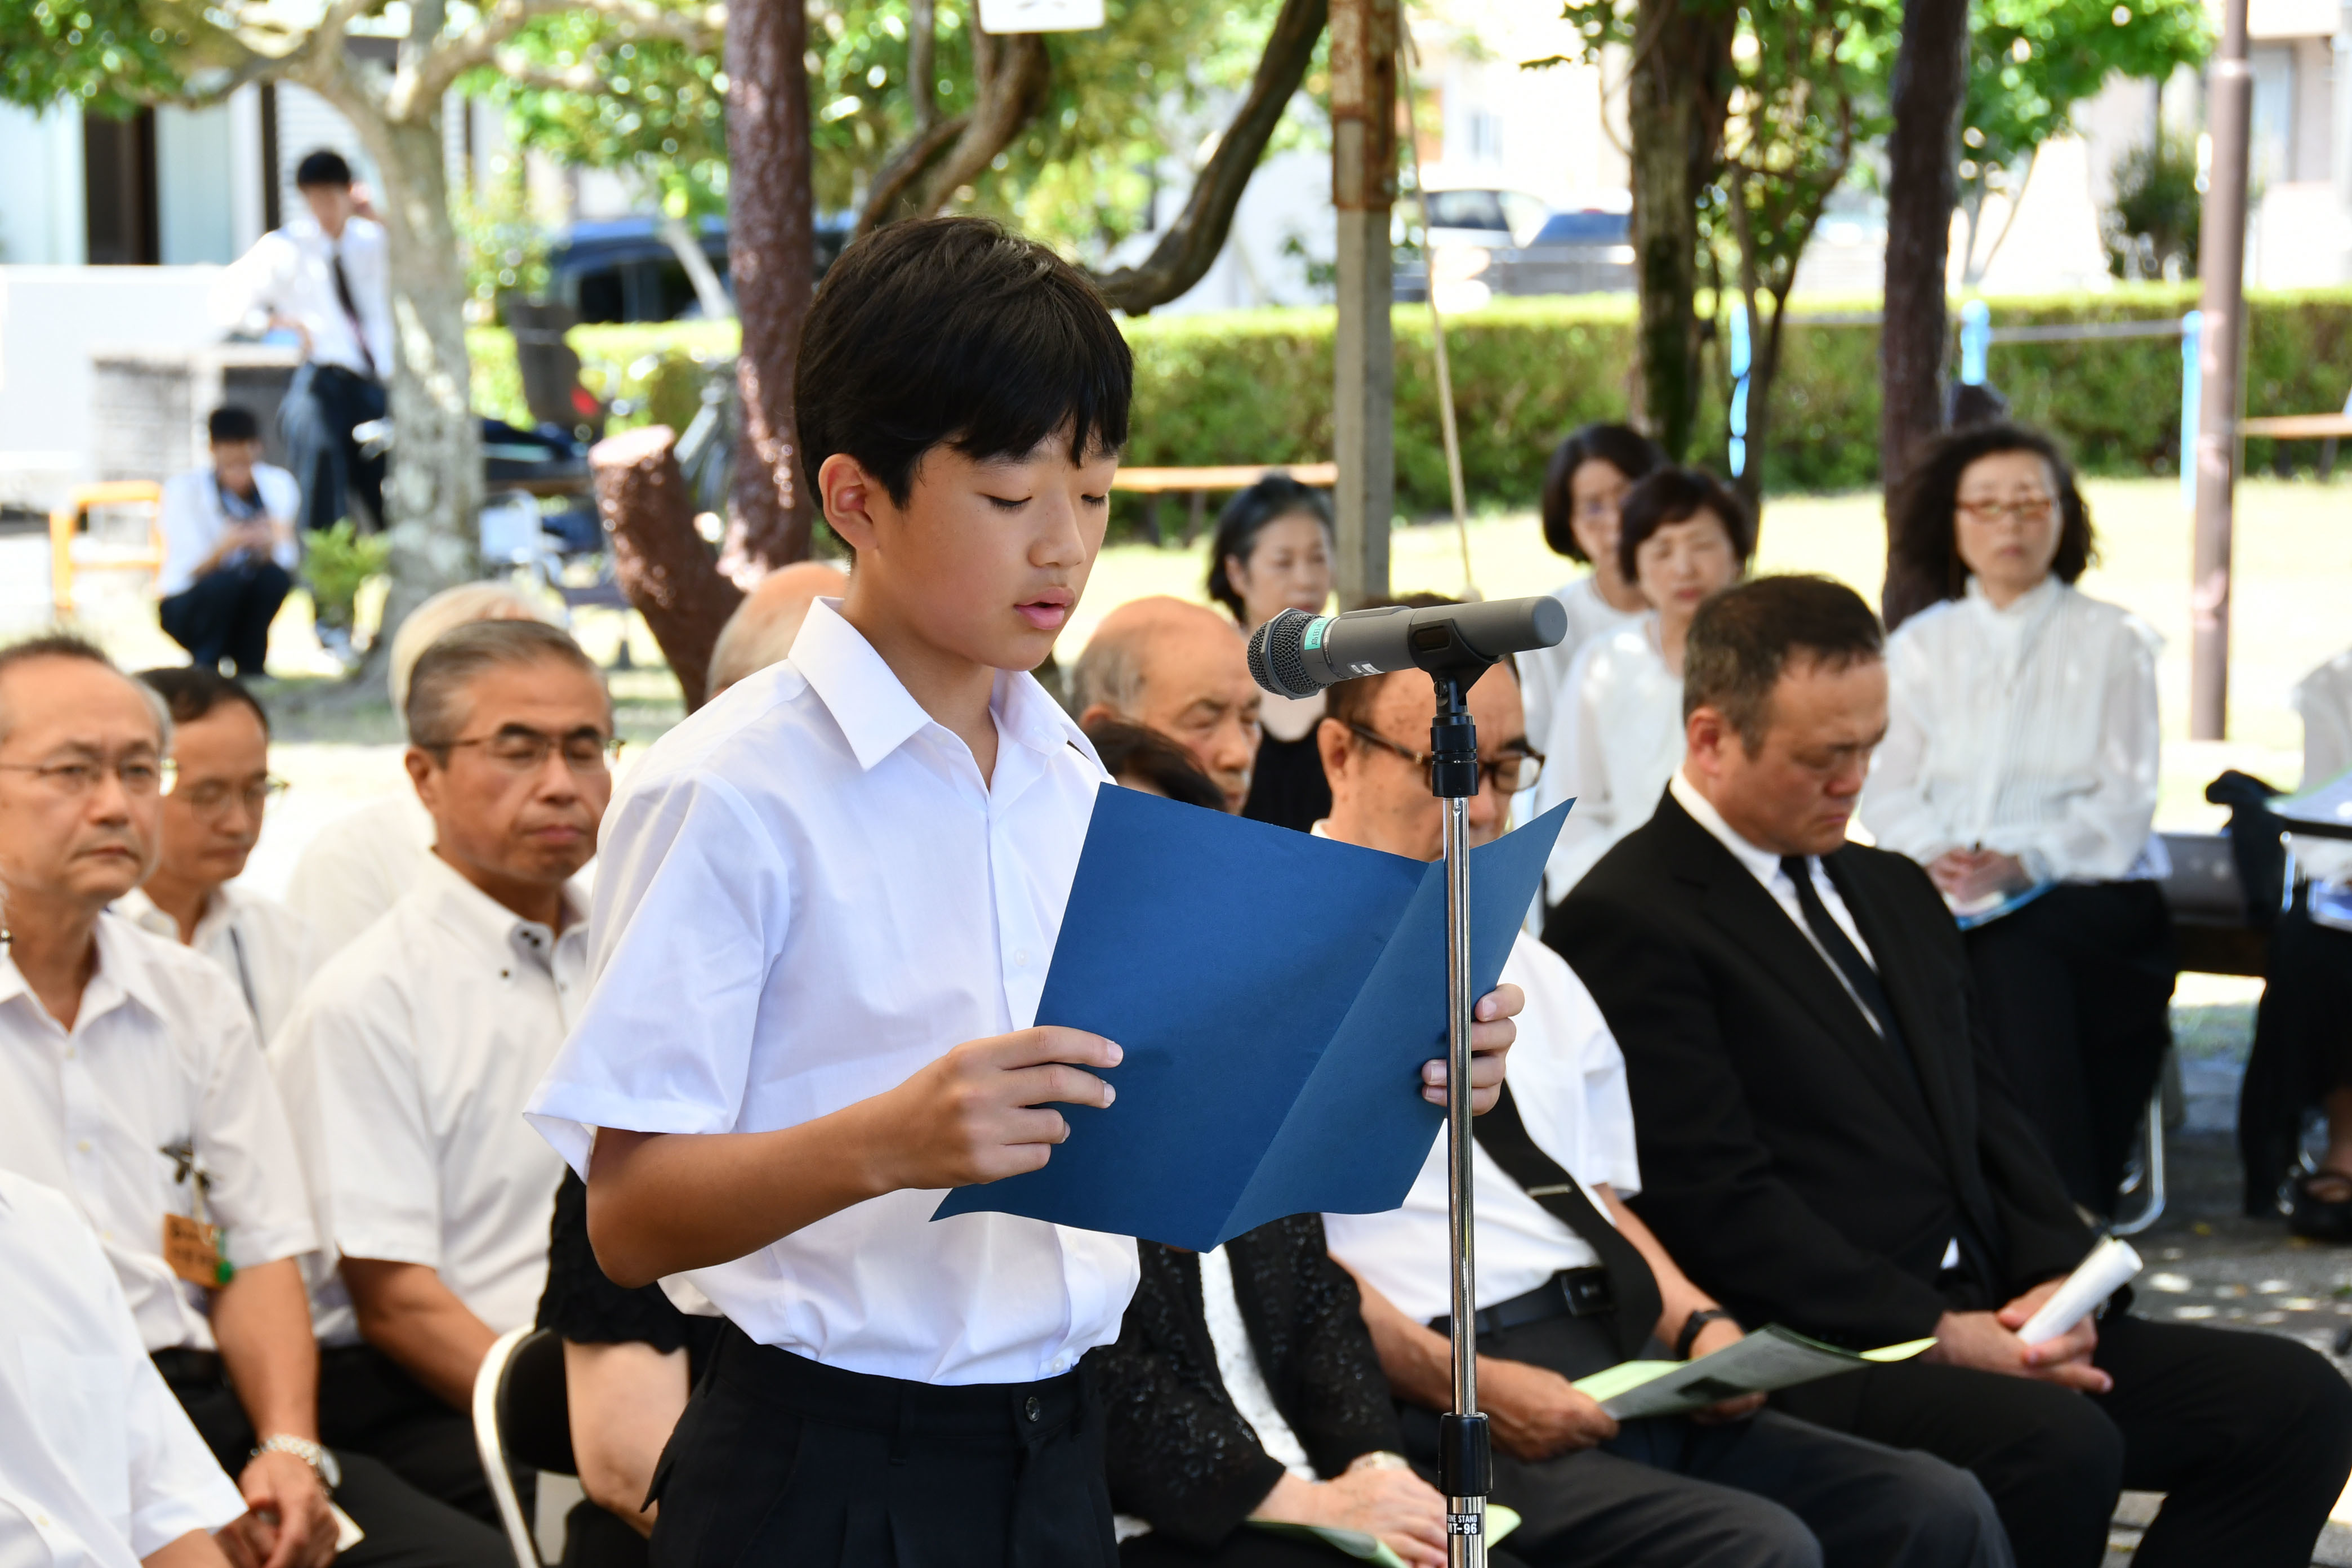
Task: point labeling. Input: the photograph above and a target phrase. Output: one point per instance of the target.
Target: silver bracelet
(1379, 1459)
(329, 1473)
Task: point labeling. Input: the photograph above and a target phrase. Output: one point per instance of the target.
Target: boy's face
(233, 460)
(985, 561)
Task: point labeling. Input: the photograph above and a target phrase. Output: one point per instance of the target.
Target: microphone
(1298, 655)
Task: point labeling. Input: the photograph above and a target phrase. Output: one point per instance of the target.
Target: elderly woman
(1272, 552)
(1615, 736)
(1584, 487)
(2020, 768)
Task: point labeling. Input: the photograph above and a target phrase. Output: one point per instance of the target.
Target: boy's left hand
(1491, 1034)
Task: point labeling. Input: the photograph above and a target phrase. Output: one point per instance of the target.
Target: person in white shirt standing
(408, 1060)
(1571, 1282)
(100, 1466)
(228, 548)
(221, 783)
(323, 278)
(132, 1081)
(1583, 490)
(2020, 768)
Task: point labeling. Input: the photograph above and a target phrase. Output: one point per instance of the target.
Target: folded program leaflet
(1771, 1358)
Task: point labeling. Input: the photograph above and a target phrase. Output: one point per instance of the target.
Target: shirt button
(82, 1147)
(1021, 958)
(1031, 1409)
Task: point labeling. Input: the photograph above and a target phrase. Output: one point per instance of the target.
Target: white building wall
(195, 180)
(42, 220)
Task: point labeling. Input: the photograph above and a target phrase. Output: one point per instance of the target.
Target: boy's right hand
(981, 1113)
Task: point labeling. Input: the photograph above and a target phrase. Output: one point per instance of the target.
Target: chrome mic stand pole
(1465, 1460)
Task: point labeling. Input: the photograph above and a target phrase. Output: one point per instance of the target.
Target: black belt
(1570, 1293)
(180, 1366)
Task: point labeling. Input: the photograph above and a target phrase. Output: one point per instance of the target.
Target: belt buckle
(1587, 1292)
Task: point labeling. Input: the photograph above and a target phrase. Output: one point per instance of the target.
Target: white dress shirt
(1567, 1080)
(2324, 700)
(98, 1464)
(2030, 730)
(259, 943)
(809, 893)
(1616, 738)
(406, 1065)
(290, 272)
(162, 1054)
(191, 520)
(1543, 672)
(358, 866)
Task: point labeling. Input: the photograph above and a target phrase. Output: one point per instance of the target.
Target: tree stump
(660, 561)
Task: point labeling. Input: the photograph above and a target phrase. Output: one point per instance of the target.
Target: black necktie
(351, 310)
(1843, 952)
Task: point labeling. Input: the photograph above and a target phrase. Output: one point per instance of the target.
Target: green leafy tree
(2152, 227)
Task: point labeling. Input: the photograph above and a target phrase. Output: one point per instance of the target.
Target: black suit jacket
(1790, 1163)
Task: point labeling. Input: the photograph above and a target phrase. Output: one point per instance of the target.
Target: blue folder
(1275, 995)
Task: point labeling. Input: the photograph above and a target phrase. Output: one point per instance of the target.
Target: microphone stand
(1465, 1459)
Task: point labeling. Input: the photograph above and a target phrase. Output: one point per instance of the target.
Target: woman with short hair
(2020, 768)
(1584, 487)
(1615, 736)
(1273, 553)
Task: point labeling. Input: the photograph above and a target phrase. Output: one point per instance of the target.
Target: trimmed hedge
(1255, 387)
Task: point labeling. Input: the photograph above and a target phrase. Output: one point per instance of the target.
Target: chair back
(522, 1420)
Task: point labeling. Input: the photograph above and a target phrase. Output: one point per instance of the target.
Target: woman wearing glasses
(2020, 768)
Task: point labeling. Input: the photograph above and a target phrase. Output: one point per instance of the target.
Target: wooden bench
(1154, 483)
(2324, 428)
(70, 552)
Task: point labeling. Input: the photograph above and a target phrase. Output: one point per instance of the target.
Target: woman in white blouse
(1615, 735)
(1584, 487)
(2020, 768)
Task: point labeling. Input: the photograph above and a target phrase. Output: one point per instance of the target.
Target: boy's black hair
(323, 167)
(231, 423)
(952, 331)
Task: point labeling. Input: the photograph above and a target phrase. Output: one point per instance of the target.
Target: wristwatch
(1380, 1459)
(315, 1454)
(1694, 1326)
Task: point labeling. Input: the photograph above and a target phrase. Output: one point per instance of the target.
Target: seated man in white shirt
(130, 1079)
(407, 1061)
(100, 1466)
(1571, 1282)
(228, 548)
(1181, 669)
(358, 865)
(761, 631)
(211, 821)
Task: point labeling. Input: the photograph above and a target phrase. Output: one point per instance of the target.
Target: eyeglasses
(525, 751)
(1508, 774)
(207, 799)
(2025, 509)
(140, 776)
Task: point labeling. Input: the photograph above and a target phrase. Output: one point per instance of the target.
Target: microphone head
(1276, 659)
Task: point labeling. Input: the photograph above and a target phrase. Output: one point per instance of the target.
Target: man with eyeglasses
(1568, 1280)
(408, 1060)
(131, 1080)
(212, 808)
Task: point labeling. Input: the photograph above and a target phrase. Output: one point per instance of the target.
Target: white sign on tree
(1040, 16)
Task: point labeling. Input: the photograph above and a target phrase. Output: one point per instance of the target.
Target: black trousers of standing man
(226, 614)
(2248, 1434)
(324, 403)
(2078, 988)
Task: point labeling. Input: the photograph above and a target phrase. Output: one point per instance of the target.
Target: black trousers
(226, 614)
(2078, 988)
(2249, 1434)
(1768, 1492)
(2303, 1048)
(779, 1459)
(404, 1528)
(368, 1404)
(596, 1537)
(324, 403)
(1249, 1547)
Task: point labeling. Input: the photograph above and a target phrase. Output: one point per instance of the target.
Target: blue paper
(1275, 995)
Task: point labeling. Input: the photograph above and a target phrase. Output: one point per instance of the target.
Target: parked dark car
(1588, 252)
(622, 269)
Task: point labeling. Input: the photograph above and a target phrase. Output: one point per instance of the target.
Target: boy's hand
(980, 1113)
(1491, 1034)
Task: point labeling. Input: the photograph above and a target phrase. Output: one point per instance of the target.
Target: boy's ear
(846, 492)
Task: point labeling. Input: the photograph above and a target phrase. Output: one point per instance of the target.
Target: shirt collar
(1762, 862)
(141, 910)
(2025, 607)
(123, 974)
(878, 714)
(481, 919)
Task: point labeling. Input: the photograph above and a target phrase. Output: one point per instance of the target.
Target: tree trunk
(1931, 68)
(1676, 95)
(772, 257)
(660, 561)
(432, 487)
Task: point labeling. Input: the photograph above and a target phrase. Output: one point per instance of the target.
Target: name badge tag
(193, 1251)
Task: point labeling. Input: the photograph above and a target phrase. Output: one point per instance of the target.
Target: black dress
(584, 1307)
(1286, 784)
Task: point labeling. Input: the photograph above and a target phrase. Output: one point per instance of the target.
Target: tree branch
(1190, 245)
(1013, 72)
(439, 67)
(906, 166)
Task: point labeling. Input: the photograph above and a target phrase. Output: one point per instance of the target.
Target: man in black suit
(1825, 1141)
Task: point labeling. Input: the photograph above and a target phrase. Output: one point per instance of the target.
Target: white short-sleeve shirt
(1568, 1078)
(807, 894)
(162, 1055)
(406, 1065)
(356, 868)
(98, 1464)
(259, 943)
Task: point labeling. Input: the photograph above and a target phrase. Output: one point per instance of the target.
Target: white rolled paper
(2109, 1268)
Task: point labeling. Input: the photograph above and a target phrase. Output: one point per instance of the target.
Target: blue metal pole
(1976, 337)
(2192, 393)
(1741, 357)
